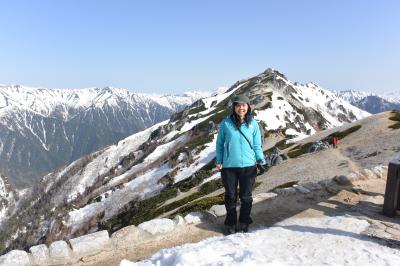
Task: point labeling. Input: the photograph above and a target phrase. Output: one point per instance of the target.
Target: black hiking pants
(245, 177)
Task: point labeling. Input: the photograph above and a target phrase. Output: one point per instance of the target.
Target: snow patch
(309, 241)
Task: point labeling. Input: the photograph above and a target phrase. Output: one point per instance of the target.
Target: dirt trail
(351, 164)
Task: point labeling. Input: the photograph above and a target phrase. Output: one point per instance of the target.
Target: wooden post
(392, 198)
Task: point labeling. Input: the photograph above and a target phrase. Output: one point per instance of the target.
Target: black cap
(241, 99)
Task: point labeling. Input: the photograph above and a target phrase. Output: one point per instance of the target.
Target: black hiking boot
(229, 229)
(243, 228)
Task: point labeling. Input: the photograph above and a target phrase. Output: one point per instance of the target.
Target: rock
(264, 196)
(40, 255)
(302, 189)
(327, 182)
(209, 216)
(342, 180)
(218, 210)
(15, 257)
(194, 217)
(379, 233)
(392, 231)
(60, 251)
(158, 226)
(355, 176)
(179, 220)
(330, 186)
(129, 236)
(380, 171)
(286, 191)
(371, 174)
(312, 186)
(90, 244)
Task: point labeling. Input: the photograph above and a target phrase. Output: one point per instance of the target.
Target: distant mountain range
(43, 129)
(370, 102)
(106, 188)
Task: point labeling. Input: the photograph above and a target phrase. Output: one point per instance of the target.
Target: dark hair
(236, 119)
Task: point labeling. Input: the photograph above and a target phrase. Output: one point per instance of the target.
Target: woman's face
(241, 109)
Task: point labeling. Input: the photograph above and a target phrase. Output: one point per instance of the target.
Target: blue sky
(175, 46)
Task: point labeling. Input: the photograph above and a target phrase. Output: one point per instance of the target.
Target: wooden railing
(392, 197)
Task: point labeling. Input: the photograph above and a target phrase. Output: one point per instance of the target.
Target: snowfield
(307, 241)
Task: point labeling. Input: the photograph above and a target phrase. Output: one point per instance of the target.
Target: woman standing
(238, 150)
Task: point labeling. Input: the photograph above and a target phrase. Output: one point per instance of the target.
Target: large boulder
(129, 236)
(342, 180)
(90, 244)
(318, 146)
(158, 226)
(194, 217)
(15, 257)
(60, 252)
(40, 255)
(275, 157)
(264, 197)
(218, 210)
(178, 220)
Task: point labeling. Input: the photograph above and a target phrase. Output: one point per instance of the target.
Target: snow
(274, 116)
(6, 198)
(3, 191)
(48, 101)
(83, 215)
(191, 124)
(3, 212)
(140, 188)
(315, 97)
(393, 97)
(213, 177)
(107, 159)
(204, 157)
(164, 149)
(282, 115)
(355, 96)
(306, 241)
(299, 136)
(217, 98)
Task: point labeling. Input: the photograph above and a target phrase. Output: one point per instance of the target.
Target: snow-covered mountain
(129, 181)
(371, 102)
(393, 97)
(42, 129)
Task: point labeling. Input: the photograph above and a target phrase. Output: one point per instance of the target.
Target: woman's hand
(219, 166)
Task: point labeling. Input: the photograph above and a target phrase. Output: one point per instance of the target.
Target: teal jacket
(233, 150)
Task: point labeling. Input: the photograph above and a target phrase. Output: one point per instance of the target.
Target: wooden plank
(391, 202)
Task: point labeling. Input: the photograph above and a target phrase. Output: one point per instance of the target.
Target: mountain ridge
(175, 155)
(371, 102)
(36, 123)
